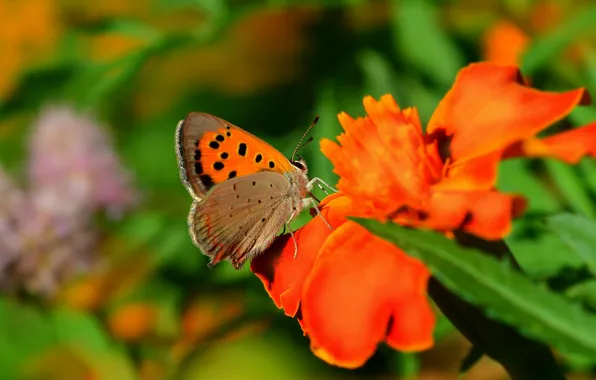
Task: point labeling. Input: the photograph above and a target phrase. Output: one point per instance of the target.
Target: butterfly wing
(240, 217)
(210, 151)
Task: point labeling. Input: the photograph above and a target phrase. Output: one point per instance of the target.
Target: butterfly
(244, 190)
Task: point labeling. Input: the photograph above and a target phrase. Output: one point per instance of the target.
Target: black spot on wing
(206, 181)
(224, 155)
(232, 174)
(214, 144)
(220, 138)
(271, 164)
(258, 158)
(218, 165)
(242, 149)
(197, 154)
(198, 168)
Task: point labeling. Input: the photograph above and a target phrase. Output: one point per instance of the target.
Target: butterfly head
(300, 165)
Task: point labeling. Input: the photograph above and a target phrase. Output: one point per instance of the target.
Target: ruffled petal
(489, 108)
(362, 291)
(569, 146)
(282, 274)
(382, 159)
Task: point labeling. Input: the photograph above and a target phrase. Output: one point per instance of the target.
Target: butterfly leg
(292, 233)
(295, 243)
(319, 182)
(311, 203)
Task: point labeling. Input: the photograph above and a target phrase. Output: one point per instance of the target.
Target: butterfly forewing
(239, 218)
(211, 151)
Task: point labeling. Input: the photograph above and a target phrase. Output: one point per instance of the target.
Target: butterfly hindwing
(211, 150)
(240, 217)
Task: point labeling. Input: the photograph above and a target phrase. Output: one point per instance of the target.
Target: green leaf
(545, 48)
(261, 357)
(327, 128)
(25, 332)
(570, 186)
(79, 329)
(380, 77)
(506, 294)
(143, 226)
(582, 115)
(131, 27)
(96, 82)
(473, 356)
(579, 234)
(424, 98)
(423, 42)
(589, 66)
(114, 78)
(579, 363)
(516, 177)
(584, 292)
(443, 328)
(540, 253)
(587, 168)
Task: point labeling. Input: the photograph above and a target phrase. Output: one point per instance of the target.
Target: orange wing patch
(232, 152)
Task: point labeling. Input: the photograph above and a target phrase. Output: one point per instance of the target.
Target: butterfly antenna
(300, 143)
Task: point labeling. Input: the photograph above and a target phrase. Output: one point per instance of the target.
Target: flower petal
(569, 146)
(447, 210)
(489, 108)
(282, 274)
(361, 291)
(479, 173)
(409, 332)
(492, 213)
(486, 214)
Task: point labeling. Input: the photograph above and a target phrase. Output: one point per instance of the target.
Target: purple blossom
(46, 233)
(71, 158)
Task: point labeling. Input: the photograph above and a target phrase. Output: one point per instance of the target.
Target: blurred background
(98, 276)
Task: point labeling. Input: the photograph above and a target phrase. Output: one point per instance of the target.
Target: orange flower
(504, 43)
(351, 290)
(29, 33)
(444, 179)
(133, 322)
(507, 39)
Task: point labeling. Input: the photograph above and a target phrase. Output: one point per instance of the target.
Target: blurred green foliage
(268, 66)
